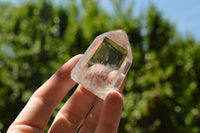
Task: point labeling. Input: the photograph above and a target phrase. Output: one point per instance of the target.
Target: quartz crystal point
(105, 64)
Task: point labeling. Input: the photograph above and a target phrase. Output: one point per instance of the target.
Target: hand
(104, 116)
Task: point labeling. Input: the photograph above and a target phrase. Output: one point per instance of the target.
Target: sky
(185, 14)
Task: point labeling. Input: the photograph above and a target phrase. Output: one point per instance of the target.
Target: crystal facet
(105, 64)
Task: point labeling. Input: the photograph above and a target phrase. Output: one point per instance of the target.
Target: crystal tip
(120, 37)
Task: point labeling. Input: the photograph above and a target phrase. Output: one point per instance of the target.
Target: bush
(162, 89)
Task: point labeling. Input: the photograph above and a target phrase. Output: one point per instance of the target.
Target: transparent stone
(105, 64)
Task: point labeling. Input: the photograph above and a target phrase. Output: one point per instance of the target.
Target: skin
(104, 116)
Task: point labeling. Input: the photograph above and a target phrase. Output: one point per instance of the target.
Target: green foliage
(162, 89)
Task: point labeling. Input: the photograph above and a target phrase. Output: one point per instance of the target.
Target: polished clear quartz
(104, 65)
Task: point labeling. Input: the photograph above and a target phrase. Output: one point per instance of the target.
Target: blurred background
(162, 92)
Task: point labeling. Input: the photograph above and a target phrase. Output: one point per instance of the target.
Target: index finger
(42, 103)
(111, 112)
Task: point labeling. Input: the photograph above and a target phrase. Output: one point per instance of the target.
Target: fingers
(90, 124)
(111, 113)
(42, 103)
(73, 112)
